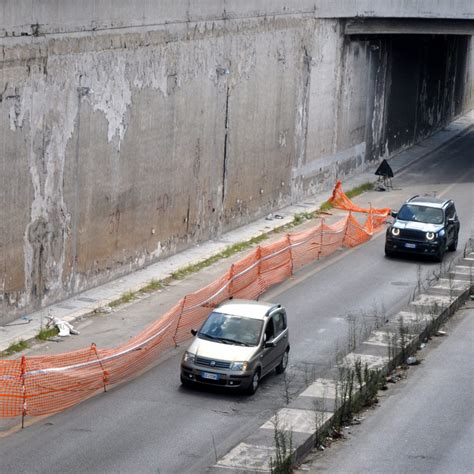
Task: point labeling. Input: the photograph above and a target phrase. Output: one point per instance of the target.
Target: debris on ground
(412, 360)
(422, 346)
(104, 309)
(336, 434)
(64, 328)
(440, 333)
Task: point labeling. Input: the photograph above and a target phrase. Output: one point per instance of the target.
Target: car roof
(428, 201)
(246, 308)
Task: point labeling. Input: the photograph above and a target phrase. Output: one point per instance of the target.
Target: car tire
(281, 367)
(253, 387)
(454, 244)
(388, 253)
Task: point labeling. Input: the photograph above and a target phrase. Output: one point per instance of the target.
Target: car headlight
(188, 357)
(395, 231)
(430, 235)
(240, 366)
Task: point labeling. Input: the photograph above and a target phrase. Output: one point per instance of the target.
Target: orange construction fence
(42, 385)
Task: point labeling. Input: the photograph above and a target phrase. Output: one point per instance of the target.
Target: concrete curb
(308, 418)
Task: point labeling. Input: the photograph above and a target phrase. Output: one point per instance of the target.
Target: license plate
(209, 376)
(410, 246)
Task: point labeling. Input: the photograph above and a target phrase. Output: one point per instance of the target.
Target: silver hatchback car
(240, 342)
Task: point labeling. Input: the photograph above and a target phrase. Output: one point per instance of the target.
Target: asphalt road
(152, 424)
(424, 423)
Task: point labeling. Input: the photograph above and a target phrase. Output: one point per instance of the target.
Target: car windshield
(428, 215)
(230, 329)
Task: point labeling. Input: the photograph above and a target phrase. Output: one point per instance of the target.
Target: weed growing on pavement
(434, 311)
(344, 394)
(283, 440)
(300, 217)
(319, 412)
(392, 345)
(378, 316)
(402, 337)
(359, 190)
(325, 206)
(309, 373)
(153, 285)
(15, 347)
(228, 252)
(45, 334)
(452, 287)
(288, 379)
(125, 298)
(351, 335)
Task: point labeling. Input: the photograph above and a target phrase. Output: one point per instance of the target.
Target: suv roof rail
(413, 197)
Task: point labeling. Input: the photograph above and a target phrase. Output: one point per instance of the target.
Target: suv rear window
(428, 215)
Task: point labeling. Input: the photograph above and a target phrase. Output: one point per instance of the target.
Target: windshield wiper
(231, 341)
(209, 336)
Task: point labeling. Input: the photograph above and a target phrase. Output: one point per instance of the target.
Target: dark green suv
(425, 226)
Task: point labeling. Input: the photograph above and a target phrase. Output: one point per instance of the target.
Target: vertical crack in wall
(187, 215)
(226, 143)
(302, 116)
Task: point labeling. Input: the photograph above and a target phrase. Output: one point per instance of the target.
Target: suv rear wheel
(453, 245)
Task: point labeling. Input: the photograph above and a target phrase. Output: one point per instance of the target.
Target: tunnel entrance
(417, 83)
(427, 79)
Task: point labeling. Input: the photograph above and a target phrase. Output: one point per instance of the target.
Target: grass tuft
(360, 189)
(153, 285)
(45, 334)
(15, 347)
(125, 298)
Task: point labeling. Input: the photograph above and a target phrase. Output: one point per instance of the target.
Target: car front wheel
(255, 383)
(388, 252)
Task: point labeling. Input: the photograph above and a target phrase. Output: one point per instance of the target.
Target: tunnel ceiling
(408, 26)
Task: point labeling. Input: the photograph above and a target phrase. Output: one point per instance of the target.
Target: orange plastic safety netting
(47, 384)
(340, 200)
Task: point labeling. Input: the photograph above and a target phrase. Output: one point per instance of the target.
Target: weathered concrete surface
(62, 16)
(122, 147)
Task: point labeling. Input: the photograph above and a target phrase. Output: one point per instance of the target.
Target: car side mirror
(394, 214)
(269, 344)
(193, 332)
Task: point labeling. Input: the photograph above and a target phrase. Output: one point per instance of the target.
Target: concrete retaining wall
(122, 147)
(25, 17)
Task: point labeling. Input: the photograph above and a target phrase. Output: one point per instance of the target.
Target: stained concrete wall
(59, 16)
(122, 147)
